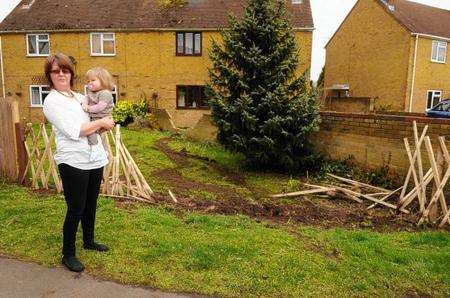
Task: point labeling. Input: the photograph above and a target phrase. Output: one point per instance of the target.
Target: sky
(327, 15)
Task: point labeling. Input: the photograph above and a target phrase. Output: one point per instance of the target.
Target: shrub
(146, 121)
(125, 111)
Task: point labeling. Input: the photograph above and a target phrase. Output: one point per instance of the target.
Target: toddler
(99, 100)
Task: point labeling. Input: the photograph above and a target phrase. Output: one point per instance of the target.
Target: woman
(80, 165)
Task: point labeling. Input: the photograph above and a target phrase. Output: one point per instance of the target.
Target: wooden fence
(13, 157)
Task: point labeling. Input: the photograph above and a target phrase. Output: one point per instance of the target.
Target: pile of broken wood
(426, 190)
(340, 187)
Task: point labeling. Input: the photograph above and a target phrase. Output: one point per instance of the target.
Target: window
(297, 1)
(38, 44)
(103, 44)
(191, 97)
(443, 107)
(114, 93)
(38, 94)
(189, 43)
(439, 51)
(433, 98)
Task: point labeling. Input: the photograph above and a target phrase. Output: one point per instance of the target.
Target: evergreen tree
(262, 109)
(321, 79)
(320, 83)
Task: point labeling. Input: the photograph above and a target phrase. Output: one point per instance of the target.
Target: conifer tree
(260, 105)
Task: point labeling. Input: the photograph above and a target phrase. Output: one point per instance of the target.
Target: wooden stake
(419, 164)
(302, 193)
(357, 183)
(173, 196)
(414, 174)
(414, 192)
(386, 197)
(437, 180)
(416, 153)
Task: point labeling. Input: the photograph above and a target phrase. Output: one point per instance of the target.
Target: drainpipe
(2, 69)
(414, 73)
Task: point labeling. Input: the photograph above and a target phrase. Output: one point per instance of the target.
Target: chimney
(391, 4)
(28, 6)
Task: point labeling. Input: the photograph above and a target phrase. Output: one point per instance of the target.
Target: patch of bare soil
(314, 211)
(41, 193)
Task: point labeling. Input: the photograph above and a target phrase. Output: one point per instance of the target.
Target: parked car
(441, 110)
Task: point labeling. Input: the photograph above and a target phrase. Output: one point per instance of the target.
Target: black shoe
(73, 264)
(96, 246)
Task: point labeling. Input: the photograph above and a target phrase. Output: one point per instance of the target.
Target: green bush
(125, 111)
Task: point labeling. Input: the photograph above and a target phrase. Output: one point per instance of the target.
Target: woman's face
(94, 84)
(60, 77)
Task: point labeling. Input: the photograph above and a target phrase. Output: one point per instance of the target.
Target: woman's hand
(107, 123)
(85, 107)
(94, 126)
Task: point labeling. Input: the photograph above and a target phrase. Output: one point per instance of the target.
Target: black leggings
(81, 189)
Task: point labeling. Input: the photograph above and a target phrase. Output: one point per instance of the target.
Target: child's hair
(103, 75)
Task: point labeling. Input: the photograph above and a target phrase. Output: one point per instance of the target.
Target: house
(155, 52)
(392, 51)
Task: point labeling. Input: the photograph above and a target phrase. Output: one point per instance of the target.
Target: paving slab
(22, 279)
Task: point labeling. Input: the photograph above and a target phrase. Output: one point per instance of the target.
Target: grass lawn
(230, 255)
(189, 248)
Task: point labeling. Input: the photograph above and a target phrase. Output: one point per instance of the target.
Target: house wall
(429, 75)
(145, 63)
(350, 104)
(370, 52)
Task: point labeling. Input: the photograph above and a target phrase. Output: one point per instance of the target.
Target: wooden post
(22, 156)
(437, 178)
(433, 215)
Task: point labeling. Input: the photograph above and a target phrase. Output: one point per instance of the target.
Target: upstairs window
(189, 43)
(433, 98)
(191, 97)
(38, 93)
(38, 44)
(103, 44)
(439, 51)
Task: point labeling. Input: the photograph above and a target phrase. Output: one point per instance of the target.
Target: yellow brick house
(155, 52)
(394, 51)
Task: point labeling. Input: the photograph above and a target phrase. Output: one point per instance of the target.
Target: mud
(315, 211)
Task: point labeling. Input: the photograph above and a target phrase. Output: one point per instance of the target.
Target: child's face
(94, 84)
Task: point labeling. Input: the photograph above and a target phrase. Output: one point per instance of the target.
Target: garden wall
(374, 140)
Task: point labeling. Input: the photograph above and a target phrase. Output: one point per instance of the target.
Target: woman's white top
(66, 116)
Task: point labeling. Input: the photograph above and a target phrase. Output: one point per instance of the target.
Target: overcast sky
(327, 14)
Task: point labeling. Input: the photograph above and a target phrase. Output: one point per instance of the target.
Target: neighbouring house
(394, 52)
(155, 52)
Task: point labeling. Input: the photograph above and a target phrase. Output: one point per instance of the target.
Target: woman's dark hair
(63, 62)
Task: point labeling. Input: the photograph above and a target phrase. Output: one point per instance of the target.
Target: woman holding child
(80, 162)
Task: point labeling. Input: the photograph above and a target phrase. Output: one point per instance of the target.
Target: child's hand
(85, 107)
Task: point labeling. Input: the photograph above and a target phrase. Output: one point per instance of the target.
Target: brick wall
(375, 139)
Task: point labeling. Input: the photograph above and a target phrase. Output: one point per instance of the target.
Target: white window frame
(434, 92)
(440, 45)
(113, 92)
(40, 95)
(102, 39)
(36, 35)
